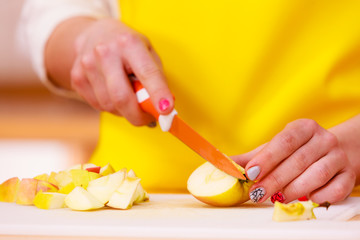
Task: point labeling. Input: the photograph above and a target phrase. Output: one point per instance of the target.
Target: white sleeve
(38, 20)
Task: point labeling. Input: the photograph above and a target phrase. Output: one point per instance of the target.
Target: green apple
(9, 190)
(80, 199)
(102, 188)
(49, 200)
(124, 196)
(214, 187)
(294, 211)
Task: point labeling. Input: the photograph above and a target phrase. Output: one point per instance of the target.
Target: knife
(177, 127)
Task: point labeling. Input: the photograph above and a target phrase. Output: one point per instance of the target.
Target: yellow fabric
(240, 70)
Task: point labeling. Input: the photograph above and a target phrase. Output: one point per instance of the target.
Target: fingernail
(164, 104)
(303, 198)
(257, 194)
(152, 125)
(253, 172)
(278, 196)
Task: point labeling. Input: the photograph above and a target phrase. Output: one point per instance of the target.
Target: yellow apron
(240, 70)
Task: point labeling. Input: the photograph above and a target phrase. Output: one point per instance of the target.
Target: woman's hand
(302, 160)
(105, 52)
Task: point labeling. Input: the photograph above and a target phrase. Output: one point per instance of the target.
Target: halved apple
(49, 200)
(214, 187)
(102, 188)
(80, 199)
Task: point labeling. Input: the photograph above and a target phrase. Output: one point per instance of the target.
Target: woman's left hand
(304, 159)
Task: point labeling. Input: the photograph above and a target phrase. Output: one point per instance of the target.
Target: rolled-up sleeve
(38, 20)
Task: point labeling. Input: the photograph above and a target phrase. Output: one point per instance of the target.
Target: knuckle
(339, 192)
(107, 105)
(120, 100)
(297, 188)
(78, 80)
(102, 50)
(324, 174)
(288, 141)
(300, 161)
(128, 38)
(309, 124)
(88, 61)
(149, 71)
(276, 181)
(331, 139)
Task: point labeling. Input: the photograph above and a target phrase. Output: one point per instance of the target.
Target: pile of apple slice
(82, 187)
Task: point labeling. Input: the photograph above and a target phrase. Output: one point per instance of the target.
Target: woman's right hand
(106, 52)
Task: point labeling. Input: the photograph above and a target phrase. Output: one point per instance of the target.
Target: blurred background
(39, 132)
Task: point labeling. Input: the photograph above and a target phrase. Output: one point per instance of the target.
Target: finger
(337, 189)
(244, 158)
(96, 80)
(81, 85)
(118, 86)
(145, 68)
(316, 176)
(298, 162)
(294, 135)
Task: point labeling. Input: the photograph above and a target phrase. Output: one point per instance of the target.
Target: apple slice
(80, 199)
(82, 177)
(124, 196)
(103, 187)
(63, 178)
(93, 169)
(106, 170)
(49, 178)
(49, 200)
(67, 188)
(214, 187)
(294, 211)
(27, 191)
(9, 189)
(45, 186)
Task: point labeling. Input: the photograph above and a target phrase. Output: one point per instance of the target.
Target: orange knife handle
(144, 100)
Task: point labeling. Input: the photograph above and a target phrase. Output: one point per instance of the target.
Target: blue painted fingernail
(253, 172)
(257, 194)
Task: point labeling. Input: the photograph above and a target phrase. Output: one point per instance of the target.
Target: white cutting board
(181, 216)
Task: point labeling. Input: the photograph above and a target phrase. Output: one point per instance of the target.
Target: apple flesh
(294, 211)
(102, 188)
(81, 200)
(106, 170)
(81, 178)
(49, 200)
(214, 187)
(124, 196)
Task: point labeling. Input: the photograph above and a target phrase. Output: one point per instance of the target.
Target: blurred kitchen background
(39, 132)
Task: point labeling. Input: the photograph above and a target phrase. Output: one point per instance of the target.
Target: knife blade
(189, 136)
